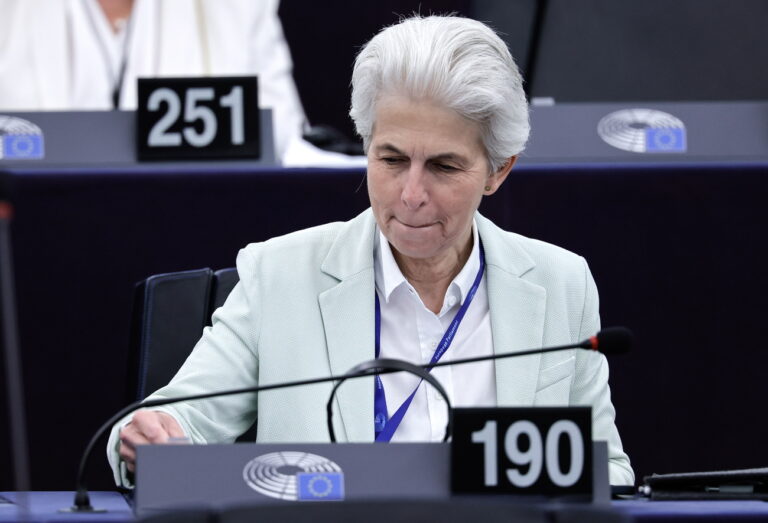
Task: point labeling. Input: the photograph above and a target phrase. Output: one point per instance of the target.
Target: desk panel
(38, 507)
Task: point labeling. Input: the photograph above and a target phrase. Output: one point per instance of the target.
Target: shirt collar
(388, 276)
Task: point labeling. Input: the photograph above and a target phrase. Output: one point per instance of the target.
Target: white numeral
(570, 429)
(534, 456)
(487, 436)
(193, 112)
(158, 135)
(538, 453)
(234, 100)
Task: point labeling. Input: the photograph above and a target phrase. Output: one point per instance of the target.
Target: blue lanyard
(384, 427)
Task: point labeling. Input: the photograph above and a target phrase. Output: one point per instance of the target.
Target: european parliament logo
(295, 476)
(20, 139)
(643, 131)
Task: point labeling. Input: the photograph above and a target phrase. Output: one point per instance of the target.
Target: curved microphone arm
(82, 502)
(613, 340)
(386, 366)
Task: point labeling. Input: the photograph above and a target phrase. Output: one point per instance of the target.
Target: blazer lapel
(517, 322)
(517, 310)
(348, 317)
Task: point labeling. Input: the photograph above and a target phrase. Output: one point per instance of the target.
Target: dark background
(571, 50)
(677, 251)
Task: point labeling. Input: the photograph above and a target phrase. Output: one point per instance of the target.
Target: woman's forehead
(425, 127)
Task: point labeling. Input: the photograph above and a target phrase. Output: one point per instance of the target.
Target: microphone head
(613, 340)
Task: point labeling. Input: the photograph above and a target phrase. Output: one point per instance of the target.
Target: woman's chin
(414, 248)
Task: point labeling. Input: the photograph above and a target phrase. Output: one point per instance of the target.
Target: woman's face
(427, 172)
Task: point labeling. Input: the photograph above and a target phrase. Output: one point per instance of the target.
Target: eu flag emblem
(325, 486)
(665, 140)
(22, 146)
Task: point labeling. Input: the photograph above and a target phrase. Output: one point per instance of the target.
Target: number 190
(540, 453)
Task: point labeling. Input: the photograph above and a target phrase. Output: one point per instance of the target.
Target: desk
(678, 253)
(684, 511)
(43, 506)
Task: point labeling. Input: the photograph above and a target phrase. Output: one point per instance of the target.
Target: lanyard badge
(385, 427)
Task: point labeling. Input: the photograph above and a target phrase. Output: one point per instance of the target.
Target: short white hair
(456, 62)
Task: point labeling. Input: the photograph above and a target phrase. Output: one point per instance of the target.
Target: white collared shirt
(97, 55)
(411, 332)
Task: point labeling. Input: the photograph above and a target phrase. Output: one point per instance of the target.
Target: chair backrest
(224, 280)
(170, 312)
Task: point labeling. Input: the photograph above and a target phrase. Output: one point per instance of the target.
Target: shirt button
(451, 301)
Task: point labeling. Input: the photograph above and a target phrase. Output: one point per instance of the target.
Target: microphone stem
(14, 389)
(581, 345)
(82, 501)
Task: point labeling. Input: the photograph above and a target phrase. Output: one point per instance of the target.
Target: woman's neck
(431, 277)
(116, 11)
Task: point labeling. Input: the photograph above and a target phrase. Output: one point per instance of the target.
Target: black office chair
(224, 280)
(169, 313)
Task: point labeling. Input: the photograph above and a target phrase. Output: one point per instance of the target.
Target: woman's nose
(415, 192)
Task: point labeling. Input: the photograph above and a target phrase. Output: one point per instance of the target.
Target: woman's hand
(148, 427)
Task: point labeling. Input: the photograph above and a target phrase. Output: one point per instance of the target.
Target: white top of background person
(439, 104)
(66, 55)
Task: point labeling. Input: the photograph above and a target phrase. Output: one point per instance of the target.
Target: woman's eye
(445, 168)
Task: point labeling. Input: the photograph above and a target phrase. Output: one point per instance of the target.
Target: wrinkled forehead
(424, 128)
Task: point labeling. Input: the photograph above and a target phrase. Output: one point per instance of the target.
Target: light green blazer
(304, 308)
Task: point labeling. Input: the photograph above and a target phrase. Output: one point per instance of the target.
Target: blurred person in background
(66, 55)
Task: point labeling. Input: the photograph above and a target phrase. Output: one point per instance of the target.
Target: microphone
(612, 340)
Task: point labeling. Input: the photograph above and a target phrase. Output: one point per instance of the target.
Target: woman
(439, 104)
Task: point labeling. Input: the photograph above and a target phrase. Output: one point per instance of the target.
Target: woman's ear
(495, 180)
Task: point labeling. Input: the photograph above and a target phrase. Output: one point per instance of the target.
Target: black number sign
(187, 118)
(534, 451)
